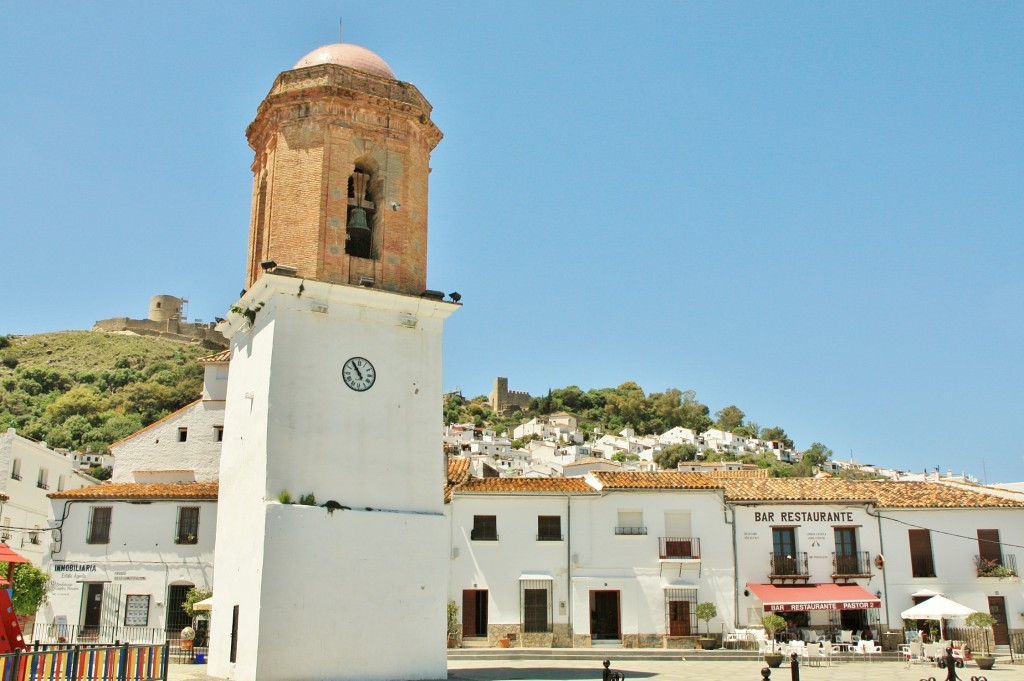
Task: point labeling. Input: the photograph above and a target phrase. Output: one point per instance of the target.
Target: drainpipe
(881, 547)
(735, 570)
(568, 563)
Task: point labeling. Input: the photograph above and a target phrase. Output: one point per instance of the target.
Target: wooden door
(474, 613)
(1000, 630)
(604, 615)
(679, 618)
(93, 606)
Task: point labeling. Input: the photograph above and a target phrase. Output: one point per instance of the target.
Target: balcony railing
(15, 476)
(679, 548)
(1002, 567)
(42, 485)
(630, 530)
(550, 537)
(790, 565)
(851, 564)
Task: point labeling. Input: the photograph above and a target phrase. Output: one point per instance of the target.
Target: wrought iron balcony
(679, 548)
(854, 564)
(789, 566)
(630, 530)
(1002, 567)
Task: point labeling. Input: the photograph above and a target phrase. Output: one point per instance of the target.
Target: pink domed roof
(346, 54)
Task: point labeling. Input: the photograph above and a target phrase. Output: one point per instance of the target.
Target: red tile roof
(658, 480)
(142, 490)
(222, 357)
(526, 486)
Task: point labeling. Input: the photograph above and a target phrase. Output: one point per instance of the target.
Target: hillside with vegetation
(83, 390)
(628, 406)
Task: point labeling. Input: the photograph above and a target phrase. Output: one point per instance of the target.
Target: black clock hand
(360, 373)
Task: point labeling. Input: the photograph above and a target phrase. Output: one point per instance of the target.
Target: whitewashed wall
(158, 448)
(954, 547)
(292, 424)
(630, 563)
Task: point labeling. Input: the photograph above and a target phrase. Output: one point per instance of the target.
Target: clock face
(359, 374)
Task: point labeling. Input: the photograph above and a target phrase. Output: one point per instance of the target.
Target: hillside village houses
(598, 554)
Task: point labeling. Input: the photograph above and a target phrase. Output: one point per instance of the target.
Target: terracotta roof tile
(793, 489)
(658, 480)
(746, 473)
(142, 490)
(458, 473)
(590, 460)
(222, 357)
(526, 486)
(885, 493)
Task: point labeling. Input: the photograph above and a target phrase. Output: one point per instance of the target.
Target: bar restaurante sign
(839, 605)
(803, 516)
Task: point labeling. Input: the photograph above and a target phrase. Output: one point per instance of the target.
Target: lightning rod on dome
(341, 28)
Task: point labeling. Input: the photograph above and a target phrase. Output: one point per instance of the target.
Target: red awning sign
(814, 597)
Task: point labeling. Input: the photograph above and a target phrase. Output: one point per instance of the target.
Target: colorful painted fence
(128, 662)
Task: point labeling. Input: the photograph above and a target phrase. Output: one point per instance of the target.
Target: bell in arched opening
(358, 232)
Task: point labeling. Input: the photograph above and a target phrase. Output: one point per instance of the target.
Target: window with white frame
(630, 522)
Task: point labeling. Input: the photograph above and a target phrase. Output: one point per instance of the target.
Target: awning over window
(814, 597)
(526, 577)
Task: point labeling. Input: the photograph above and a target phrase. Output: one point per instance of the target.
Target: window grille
(187, 531)
(535, 605)
(99, 525)
(681, 611)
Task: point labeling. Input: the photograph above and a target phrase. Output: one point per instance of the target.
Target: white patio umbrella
(205, 604)
(936, 608)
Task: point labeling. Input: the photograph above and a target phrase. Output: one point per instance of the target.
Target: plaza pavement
(644, 670)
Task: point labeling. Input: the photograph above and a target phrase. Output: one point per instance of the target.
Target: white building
(638, 551)
(123, 556)
(186, 440)
(29, 470)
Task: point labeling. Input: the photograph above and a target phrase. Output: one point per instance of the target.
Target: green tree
(31, 586)
(707, 612)
(729, 419)
(670, 457)
(193, 596)
(817, 454)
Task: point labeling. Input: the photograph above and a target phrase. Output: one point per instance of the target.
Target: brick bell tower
(340, 174)
(334, 392)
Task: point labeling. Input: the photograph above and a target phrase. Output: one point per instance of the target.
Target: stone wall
(182, 332)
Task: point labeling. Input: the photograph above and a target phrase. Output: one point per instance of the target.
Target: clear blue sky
(810, 210)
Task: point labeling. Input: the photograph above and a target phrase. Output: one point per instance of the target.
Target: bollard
(766, 672)
(611, 674)
(794, 666)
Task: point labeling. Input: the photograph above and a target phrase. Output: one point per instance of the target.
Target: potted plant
(984, 620)
(453, 624)
(706, 612)
(772, 623)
